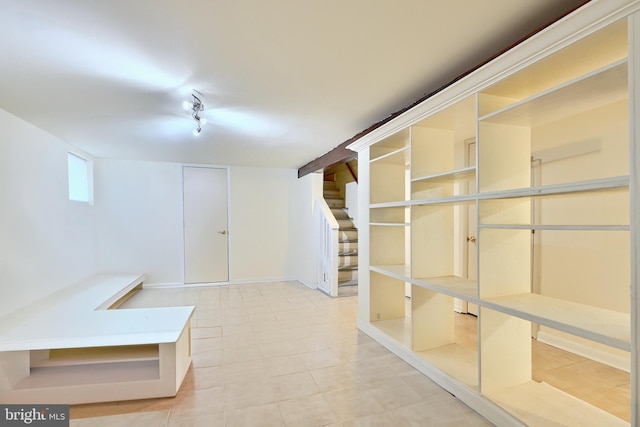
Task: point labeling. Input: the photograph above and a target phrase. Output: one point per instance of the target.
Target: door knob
(222, 232)
(471, 239)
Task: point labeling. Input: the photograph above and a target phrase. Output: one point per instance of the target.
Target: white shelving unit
(511, 190)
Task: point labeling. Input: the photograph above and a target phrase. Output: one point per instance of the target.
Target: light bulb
(203, 120)
(187, 105)
(196, 132)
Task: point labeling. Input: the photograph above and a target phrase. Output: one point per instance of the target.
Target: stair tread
(348, 252)
(349, 287)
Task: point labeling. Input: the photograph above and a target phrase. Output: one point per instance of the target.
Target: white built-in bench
(73, 347)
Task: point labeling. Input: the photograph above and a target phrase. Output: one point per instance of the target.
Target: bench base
(119, 365)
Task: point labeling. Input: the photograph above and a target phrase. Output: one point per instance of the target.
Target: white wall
(46, 241)
(351, 201)
(304, 229)
(269, 209)
(588, 267)
(140, 222)
(139, 208)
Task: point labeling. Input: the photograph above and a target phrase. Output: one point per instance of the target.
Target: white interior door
(206, 237)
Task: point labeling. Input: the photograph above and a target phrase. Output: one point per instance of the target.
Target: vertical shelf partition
(388, 230)
(550, 201)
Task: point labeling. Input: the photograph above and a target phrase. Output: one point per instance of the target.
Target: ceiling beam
(337, 155)
(342, 153)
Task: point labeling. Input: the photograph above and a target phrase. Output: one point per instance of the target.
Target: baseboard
(308, 285)
(324, 291)
(235, 282)
(583, 350)
(275, 280)
(183, 285)
(162, 285)
(262, 280)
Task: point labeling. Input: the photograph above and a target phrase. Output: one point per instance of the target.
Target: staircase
(347, 241)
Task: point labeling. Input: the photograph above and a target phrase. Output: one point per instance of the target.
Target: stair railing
(328, 262)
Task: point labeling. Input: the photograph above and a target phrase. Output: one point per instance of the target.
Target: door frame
(462, 306)
(472, 308)
(229, 222)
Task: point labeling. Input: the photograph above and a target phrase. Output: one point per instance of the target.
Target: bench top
(78, 316)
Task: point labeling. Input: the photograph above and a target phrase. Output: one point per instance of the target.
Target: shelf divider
(597, 324)
(466, 171)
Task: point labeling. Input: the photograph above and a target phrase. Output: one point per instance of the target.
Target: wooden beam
(353, 173)
(337, 155)
(342, 153)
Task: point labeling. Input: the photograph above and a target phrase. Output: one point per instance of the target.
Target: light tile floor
(280, 354)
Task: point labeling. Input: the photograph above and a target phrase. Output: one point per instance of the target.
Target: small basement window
(80, 179)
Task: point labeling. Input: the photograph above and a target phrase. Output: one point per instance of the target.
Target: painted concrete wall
(304, 229)
(140, 221)
(588, 267)
(139, 228)
(46, 241)
(268, 208)
(595, 269)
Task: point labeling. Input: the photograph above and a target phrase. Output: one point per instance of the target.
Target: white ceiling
(284, 80)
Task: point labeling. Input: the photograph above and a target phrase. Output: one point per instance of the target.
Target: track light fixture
(196, 106)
